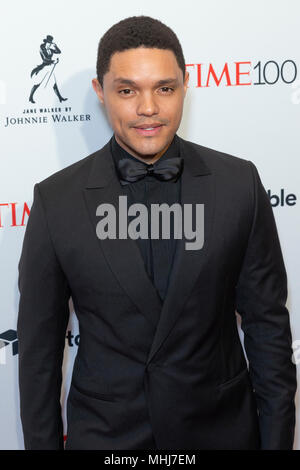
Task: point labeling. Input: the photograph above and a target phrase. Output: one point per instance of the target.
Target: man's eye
(166, 88)
(126, 89)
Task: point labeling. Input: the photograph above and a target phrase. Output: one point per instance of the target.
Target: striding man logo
(44, 73)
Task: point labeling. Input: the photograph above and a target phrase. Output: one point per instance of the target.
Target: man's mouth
(150, 130)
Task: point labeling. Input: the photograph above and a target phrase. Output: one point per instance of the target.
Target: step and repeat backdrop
(243, 99)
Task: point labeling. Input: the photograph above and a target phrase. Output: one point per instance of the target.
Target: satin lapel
(197, 186)
(122, 255)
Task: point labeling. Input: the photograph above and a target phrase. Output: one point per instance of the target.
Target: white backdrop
(254, 115)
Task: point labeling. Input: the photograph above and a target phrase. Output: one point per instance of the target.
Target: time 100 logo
(238, 73)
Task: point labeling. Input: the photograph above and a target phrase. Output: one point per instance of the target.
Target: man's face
(143, 87)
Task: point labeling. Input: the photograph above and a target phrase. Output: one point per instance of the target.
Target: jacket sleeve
(41, 326)
(261, 294)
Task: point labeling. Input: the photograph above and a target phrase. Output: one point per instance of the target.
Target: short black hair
(134, 32)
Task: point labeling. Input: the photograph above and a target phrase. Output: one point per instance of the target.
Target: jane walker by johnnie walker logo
(44, 77)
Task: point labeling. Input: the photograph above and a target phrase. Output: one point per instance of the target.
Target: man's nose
(147, 104)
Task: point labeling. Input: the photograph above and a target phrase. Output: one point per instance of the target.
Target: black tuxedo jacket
(149, 375)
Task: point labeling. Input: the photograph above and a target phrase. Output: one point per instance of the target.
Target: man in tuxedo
(160, 364)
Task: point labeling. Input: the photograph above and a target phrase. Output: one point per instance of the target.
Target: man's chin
(148, 150)
(142, 146)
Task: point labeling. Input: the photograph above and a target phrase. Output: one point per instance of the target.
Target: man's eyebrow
(127, 81)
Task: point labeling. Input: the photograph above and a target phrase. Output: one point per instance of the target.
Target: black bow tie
(165, 170)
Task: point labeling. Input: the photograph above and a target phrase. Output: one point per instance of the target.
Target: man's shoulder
(72, 176)
(216, 159)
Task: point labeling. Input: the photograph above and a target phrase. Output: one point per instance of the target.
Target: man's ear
(98, 89)
(186, 81)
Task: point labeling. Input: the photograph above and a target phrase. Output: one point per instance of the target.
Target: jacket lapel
(123, 255)
(197, 187)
